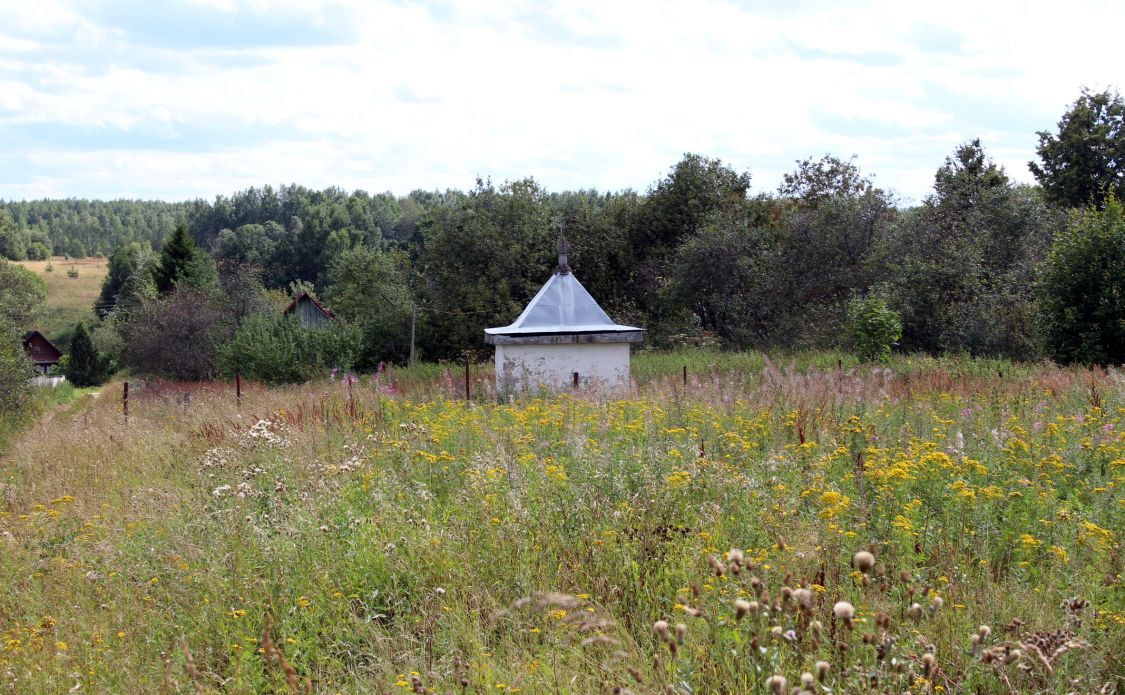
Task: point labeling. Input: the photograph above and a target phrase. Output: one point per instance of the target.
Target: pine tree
(82, 368)
(122, 265)
(182, 263)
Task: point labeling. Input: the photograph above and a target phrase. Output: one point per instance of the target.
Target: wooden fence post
(238, 388)
(685, 375)
(468, 395)
(125, 401)
(413, 319)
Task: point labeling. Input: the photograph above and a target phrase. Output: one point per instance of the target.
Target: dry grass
(69, 300)
(668, 540)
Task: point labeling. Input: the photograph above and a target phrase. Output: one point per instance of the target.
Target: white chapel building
(562, 339)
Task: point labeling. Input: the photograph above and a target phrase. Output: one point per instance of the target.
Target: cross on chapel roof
(563, 248)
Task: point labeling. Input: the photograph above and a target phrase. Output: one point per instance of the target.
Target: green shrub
(38, 251)
(277, 350)
(875, 327)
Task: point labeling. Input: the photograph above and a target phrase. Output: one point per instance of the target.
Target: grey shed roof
(562, 306)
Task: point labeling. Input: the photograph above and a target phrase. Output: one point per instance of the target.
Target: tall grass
(42, 400)
(396, 538)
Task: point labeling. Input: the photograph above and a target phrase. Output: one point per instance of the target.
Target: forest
(982, 266)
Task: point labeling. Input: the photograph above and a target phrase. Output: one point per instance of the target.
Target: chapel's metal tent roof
(562, 305)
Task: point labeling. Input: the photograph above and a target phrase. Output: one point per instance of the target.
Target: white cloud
(578, 94)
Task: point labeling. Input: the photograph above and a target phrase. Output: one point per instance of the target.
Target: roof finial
(563, 248)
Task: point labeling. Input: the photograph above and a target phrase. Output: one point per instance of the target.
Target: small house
(42, 352)
(562, 339)
(308, 311)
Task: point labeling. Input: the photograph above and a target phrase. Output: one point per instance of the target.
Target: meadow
(69, 299)
(802, 524)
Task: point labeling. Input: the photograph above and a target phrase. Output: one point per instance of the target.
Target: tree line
(982, 265)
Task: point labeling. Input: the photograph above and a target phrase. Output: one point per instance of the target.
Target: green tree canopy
(725, 275)
(369, 288)
(1085, 161)
(683, 201)
(828, 177)
(486, 255)
(962, 264)
(22, 294)
(1083, 288)
(12, 243)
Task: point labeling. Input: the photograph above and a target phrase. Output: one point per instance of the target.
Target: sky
(180, 99)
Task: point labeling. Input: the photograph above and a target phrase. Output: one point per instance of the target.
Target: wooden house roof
(52, 356)
(305, 295)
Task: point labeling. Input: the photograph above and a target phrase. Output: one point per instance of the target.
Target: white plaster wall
(529, 367)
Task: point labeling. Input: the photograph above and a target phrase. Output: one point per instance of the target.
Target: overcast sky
(176, 100)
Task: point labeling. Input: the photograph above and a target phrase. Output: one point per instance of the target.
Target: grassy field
(69, 300)
(933, 526)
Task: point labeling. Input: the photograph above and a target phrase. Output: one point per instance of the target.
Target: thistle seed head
(741, 608)
(776, 685)
(803, 597)
(863, 561)
(843, 610)
(822, 669)
(928, 663)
